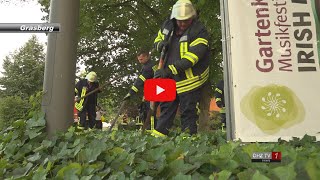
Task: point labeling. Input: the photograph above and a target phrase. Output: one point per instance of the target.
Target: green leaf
(130, 158)
(3, 166)
(285, 172)
(90, 154)
(117, 176)
(259, 176)
(224, 175)
(34, 157)
(313, 167)
(18, 123)
(141, 165)
(11, 149)
(40, 174)
(155, 154)
(140, 146)
(62, 150)
(117, 150)
(76, 143)
(36, 121)
(22, 171)
(97, 166)
(49, 166)
(92, 168)
(246, 174)
(181, 176)
(179, 166)
(77, 149)
(105, 172)
(198, 176)
(34, 132)
(72, 171)
(86, 177)
(251, 148)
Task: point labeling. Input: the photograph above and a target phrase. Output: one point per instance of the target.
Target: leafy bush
(26, 153)
(215, 120)
(35, 103)
(12, 108)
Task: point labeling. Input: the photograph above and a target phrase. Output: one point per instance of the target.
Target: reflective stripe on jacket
(146, 72)
(79, 105)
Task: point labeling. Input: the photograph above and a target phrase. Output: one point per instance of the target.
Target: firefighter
(185, 40)
(146, 72)
(88, 104)
(219, 94)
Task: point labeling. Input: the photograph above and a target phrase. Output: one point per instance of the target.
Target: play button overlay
(160, 90)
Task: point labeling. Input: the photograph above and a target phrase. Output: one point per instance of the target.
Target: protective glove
(163, 73)
(127, 97)
(163, 44)
(219, 104)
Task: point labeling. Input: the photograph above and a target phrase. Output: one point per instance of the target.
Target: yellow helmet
(183, 10)
(83, 74)
(91, 76)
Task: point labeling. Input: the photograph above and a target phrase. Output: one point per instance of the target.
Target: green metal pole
(60, 66)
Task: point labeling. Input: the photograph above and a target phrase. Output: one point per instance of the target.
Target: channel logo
(160, 90)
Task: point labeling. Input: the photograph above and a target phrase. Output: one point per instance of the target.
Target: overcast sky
(25, 13)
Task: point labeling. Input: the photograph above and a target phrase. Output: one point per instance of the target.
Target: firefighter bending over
(87, 106)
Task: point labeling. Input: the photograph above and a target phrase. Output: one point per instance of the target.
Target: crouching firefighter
(146, 72)
(87, 106)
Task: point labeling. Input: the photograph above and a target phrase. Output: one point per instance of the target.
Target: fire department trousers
(144, 110)
(91, 110)
(188, 112)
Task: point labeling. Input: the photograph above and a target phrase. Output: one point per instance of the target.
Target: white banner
(275, 68)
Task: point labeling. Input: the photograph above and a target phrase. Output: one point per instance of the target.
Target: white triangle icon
(159, 90)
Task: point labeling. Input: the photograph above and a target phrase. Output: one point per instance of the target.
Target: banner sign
(275, 47)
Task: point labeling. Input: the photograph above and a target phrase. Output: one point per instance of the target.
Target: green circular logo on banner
(272, 107)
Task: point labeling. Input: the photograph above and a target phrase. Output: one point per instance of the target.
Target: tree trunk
(204, 106)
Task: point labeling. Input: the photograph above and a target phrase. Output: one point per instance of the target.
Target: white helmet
(183, 10)
(91, 76)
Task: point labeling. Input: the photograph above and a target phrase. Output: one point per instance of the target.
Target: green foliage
(26, 153)
(35, 103)
(109, 107)
(23, 70)
(210, 16)
(12, 108)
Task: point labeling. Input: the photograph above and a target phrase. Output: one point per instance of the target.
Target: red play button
(160, 90)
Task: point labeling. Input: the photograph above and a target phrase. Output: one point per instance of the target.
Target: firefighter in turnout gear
(219, 94)
(146, 72)
(88, 104)
(187, 63)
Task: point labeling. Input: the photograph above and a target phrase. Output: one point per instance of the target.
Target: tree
(23, 70)
(111, 31)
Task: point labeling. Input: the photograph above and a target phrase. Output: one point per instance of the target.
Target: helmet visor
(183, 11)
